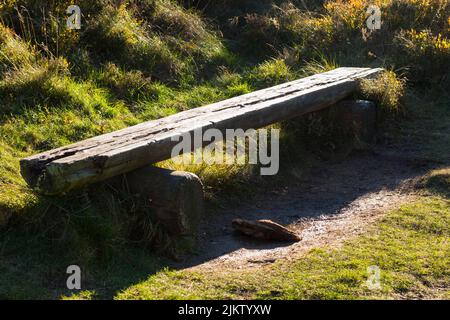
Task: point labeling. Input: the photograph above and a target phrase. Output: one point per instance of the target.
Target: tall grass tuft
(387, 90)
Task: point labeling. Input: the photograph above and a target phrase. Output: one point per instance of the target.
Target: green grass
(410, 246)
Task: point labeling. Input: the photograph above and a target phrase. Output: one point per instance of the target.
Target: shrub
(264, 35)
(427, 55)
(347, 15)
(417, 14)
(386, 89)
(318, 35)
(259, 35)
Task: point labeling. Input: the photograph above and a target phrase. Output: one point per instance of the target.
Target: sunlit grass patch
(14, 194)
(271, 72)
(14, 52)
(82, 295)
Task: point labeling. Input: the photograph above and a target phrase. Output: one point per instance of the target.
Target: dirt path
(336, 202)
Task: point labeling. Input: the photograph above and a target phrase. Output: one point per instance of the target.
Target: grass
(143, 60)
(387, 89)
(409, 245)
(114, 266)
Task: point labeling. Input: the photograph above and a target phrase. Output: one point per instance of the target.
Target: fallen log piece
(176, 197)
(265, 230)
(60, 170)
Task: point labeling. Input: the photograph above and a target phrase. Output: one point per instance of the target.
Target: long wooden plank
(96, 159)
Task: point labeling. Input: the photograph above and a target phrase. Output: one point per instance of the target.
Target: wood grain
(96, 159)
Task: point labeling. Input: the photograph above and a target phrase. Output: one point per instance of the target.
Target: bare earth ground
(336, 202)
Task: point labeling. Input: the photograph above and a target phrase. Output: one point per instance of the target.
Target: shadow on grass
(109, 236)
(31, 269)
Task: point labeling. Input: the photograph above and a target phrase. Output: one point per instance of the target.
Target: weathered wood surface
(96, 159)
(265, 230)
(175, 197)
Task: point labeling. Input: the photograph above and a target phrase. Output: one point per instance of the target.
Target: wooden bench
(60, 170)
(123, 158)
